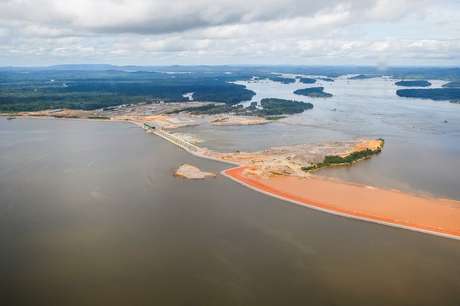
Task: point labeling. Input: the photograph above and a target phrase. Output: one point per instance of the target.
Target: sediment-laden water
(422, 137)
(90, 214)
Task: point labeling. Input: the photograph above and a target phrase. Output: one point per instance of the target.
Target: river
(422, 137)
(90, 214)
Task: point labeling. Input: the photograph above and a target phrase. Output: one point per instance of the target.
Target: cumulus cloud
(228, 31)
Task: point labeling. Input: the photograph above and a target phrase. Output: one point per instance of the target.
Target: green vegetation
(437, 94)
(452, 84)
(272, 109)
(48, 89)
(96, 86)
(313, 92)
(417, 83)
(277, 107)
(282, 80)
(274, 118)
(334, 160)
(99, 117)
(364, 76)
(307, 80)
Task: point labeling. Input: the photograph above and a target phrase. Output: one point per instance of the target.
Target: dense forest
(37, 90)
(364, 76)
(307, 80)
(452, 84)
(269, 107)
(275, 107)
(416, 83)
(96, 86)
(431, 93)
(282, 80)
(313, 92)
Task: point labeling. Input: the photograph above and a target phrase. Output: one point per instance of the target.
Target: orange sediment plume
(429, 215)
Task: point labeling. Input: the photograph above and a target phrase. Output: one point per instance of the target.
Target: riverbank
(276, 175)
(440, 217)
(277, 172)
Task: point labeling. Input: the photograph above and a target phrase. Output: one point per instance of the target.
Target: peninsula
(286, 172)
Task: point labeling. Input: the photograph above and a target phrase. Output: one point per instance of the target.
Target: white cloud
(236, 31)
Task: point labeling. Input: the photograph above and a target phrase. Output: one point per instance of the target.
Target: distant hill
(423, 73)
(84, 67)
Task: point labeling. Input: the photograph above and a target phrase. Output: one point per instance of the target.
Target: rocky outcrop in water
(191, 172)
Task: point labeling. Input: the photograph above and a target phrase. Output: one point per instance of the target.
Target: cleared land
(430, 215)
(192, 173)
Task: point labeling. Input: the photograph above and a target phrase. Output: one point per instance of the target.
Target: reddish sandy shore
(429, 215)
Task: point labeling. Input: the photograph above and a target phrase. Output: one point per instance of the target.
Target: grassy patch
(335, 160)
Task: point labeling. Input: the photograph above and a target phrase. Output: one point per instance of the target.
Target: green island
(452, 84)
(271, 108)
(364, 76)
(335, 160)
(437, 94)
(307, 80)
(415, 83)
(313, 92)
(275, 107)
(282, 80)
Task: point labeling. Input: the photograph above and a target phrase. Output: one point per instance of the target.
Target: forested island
(270, 107)
(415, 83)
(452, 84)
(437, 94)
(282, 80)
(307, 80)
(364, 76)
(275, 107)
(313, 92)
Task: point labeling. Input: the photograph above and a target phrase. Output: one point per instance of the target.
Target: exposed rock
(191, 172)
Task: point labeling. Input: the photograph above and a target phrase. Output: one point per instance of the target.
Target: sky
(254, 32)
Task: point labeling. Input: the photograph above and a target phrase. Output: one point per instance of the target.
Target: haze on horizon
(163, 32)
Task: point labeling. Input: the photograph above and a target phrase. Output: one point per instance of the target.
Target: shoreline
(235, 174)
(345, 210)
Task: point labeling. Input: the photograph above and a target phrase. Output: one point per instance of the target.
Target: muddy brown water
(90, 214)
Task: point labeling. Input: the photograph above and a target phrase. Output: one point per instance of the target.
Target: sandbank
(431, 215)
